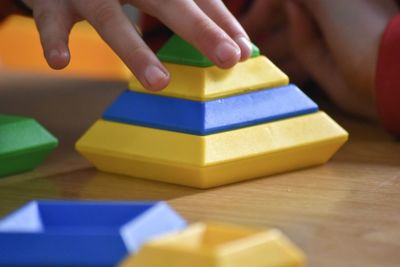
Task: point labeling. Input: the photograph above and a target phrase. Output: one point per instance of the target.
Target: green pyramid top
(19, 134)
(178, 51)
(24, 143)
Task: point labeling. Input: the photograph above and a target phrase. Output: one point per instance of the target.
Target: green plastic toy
(178, 51)
(24, 144)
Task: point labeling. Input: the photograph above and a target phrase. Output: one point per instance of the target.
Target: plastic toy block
(203, 84)
(48, 250)
(66, 233)
(24, 144)
(216, 159)
(213, 116)
(178, 51)
(20, 50)
(219, 245)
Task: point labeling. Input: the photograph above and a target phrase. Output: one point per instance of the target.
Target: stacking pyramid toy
(211, 126)
(24, 144)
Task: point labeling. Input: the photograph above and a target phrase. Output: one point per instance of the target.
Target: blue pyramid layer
(203, 118)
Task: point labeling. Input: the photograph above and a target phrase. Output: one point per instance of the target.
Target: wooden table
(345, 213)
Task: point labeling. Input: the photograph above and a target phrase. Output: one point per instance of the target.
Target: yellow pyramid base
(212, 160)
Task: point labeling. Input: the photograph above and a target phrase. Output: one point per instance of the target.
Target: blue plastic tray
(77, 233)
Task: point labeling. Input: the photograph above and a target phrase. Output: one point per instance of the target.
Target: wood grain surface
(344, 213)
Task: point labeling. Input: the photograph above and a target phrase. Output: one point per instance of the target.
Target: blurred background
(20, 51)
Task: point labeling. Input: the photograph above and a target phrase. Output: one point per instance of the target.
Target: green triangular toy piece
(178, 51)
(24, 144)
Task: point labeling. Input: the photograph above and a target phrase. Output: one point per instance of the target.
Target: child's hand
(207, 24)
(337, 42)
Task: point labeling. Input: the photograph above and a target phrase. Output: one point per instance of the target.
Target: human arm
(342, 46)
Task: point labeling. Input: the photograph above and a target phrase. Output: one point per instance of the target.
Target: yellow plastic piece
(202, 84)
(212, 160)
(219, 245)
(20, 50)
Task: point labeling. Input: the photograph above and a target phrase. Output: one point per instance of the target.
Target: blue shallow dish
(203, 118)
(78, 233)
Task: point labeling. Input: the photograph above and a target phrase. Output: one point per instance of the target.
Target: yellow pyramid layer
(202, 84)
(219, 245)
(216, 159)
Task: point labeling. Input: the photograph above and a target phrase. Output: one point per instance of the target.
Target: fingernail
(53, 53)
(57, 59)
(227, 53)
(154, 75)
(246, 47)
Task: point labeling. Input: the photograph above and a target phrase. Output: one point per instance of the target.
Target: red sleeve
(388, 77)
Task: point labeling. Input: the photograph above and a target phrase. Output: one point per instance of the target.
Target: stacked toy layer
(136, 234)
(211, 126)
(24, 144)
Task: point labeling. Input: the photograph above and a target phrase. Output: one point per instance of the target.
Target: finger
(115, 28)
(192, 24)
(54, 27)
(218, 12)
